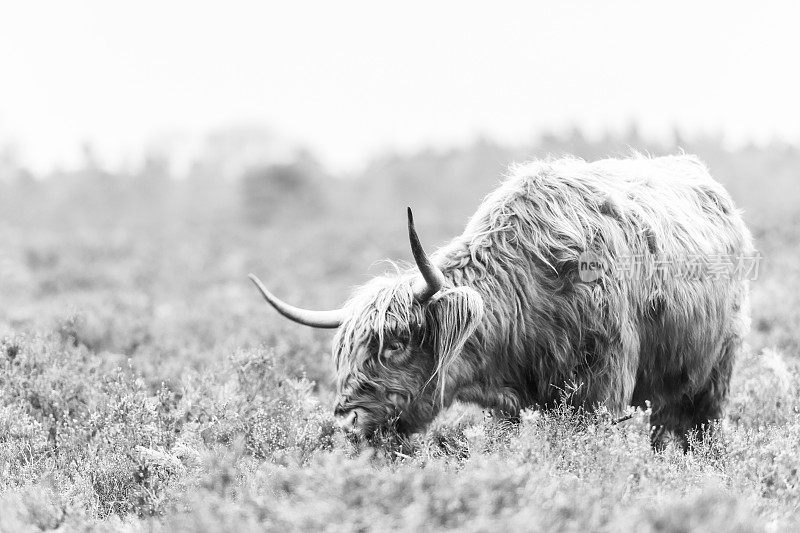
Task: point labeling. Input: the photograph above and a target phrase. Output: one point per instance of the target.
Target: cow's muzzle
(351, 420)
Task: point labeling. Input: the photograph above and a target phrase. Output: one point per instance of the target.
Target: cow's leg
(708, 405)
(697, 410)
(669, 423)
(611, 380)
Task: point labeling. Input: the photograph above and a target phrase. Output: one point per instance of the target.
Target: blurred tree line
(239, 180)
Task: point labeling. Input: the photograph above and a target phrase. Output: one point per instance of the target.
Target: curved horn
(432, 278)
(317, 319)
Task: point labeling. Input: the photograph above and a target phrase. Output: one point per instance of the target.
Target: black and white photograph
(419, 266)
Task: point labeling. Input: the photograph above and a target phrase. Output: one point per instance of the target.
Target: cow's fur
(515, 322)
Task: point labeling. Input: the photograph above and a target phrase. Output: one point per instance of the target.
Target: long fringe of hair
(452, 318)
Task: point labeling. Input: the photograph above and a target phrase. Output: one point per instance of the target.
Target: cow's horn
(432, 278)
(317, 319)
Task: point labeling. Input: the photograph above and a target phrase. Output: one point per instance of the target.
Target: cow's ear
(453, 316)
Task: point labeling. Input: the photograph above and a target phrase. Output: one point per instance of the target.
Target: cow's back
(661, 332)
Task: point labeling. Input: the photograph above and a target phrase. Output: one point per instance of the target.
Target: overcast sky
(350, 79)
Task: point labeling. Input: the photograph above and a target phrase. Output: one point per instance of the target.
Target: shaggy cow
(618, 277)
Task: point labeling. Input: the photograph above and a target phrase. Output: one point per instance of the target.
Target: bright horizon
(349, 80)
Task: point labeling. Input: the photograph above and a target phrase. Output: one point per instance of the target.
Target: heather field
(144, 385)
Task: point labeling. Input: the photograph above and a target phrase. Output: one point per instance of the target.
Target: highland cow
(505, 315)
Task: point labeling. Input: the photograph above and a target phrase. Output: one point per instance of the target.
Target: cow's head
(397, 337)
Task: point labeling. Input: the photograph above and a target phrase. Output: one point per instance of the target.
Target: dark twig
(622, 419)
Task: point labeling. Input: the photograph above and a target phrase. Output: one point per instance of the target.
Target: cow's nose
(349, 420)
